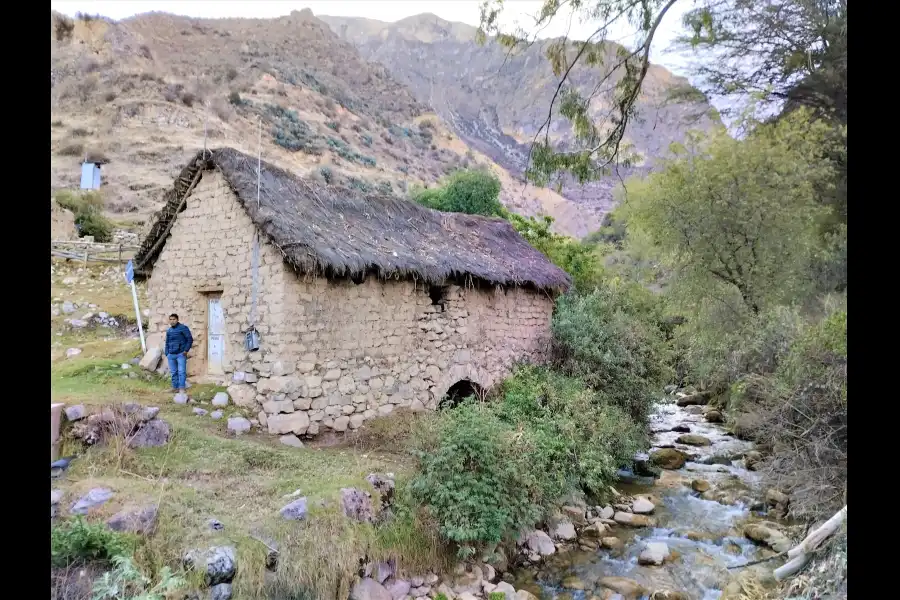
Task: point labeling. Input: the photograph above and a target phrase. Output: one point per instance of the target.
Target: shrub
(327, 174)
(77, 540)
(64, 28)
(470, 192)
(333, 125)
(127, 582)
(95, 224)
(235, 98)
(72, 150)
(613, 339)
(290, 132)
(87, 206)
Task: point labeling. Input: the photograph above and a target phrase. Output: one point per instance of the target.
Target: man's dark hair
(174, 315)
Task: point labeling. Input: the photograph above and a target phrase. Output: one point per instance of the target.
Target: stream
(704, 536)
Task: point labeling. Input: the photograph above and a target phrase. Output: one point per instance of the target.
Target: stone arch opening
(458, 392)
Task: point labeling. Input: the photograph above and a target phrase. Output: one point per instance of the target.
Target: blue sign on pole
(129, 272)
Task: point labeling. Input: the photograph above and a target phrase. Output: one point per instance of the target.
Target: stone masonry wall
(333, 353)
(209, 250)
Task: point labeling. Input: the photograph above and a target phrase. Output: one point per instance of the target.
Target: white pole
(137, 313)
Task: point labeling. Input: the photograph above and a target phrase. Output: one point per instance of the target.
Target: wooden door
(215, 335)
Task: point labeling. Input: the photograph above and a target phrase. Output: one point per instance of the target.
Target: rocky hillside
(143, 94)
(496, 102)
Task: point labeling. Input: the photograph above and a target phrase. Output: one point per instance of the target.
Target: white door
(215, 335)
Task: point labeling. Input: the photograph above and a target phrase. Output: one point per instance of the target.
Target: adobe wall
(333, 353)
(209, 250)
(352, 352)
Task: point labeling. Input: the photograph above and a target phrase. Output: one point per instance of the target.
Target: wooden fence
(92, 251)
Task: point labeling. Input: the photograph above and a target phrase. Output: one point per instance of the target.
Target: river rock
(92, 499)
(681, 428)
(540, 543)
(751, 459)
(369, 589)
(141, 520)
(294, 511)
(668, 458)
(669, 595)
(700, 485)
(763, 534)
(632, 520)
(613, 543)
(714, 416)
(575, 514)
(698, 399)
(654, 553)
(357, 505)
(506, 589)
(606, 512)
(219, 563)
(775, 497)
(642, 506)
(467, 578)
(573, 582)
(691, 439)
(563, 530)
(629, 588)
(525, 595)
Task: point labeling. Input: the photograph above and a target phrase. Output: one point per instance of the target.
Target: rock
(152, 434)
(613, 543)
(762, 534)
(200, 412)
(78, 323)
(369, 589)
(691, 439)
(294, 511)
(606, 512)
(151, 359)
(180, 399)
(417, 582)
(238, 425)
(382, 571)
(220, 591)
(643, 468)
(525, 595)
(467, 578)
(216, 415)
(669, 595)
(220, 399)
(149, 413)
(506, 589)
(751, 459)
(573, 582)
(668, 458)
(563, 530)
(540, 543)
(215, 525)
(632, 520)
(73, 352)
(218, 562)
(714, 416)
(682, 428)
(642, 506)
(654, 553)
(296, 422)
(629, 588)
(575, 514)
(698, 399)
(775, 497)
(357, 505)
(397, 588)
(291, 440)
(74, 413)
(430, 578)
(670, 389)
(69, 307)
(141, 520)
(700, 485)
(92, 499)
(384, 486)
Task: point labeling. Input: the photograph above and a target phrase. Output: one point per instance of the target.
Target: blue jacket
(178, 339)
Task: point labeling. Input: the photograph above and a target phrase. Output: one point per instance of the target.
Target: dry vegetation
(142, 95)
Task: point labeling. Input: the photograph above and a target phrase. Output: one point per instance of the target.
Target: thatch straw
(341, 232)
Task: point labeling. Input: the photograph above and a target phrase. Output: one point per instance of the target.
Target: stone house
(363, 304)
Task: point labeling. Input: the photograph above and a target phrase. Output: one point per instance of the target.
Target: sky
(516, 12)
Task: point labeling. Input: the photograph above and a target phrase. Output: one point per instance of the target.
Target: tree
(473, 192)
(739, 216)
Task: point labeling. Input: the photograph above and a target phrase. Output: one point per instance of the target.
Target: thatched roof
(341, 232)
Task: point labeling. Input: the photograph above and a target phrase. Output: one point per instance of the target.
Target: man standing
(178, 342)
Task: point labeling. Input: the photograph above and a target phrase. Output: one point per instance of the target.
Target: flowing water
(704, 536)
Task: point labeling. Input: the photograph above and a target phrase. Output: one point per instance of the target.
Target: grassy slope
(202, 473)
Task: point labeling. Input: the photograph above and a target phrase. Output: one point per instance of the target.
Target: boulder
(382, 571)
(357, 505)
(613, 543)
(575, 514)
(142, 520)
(691, 439)
(654, 553)
(295, 511)
(151, 434)
(632, 520)
(467, 578)
(291, 440)
(397, 588)
(629, 588)
(751, 459)
(180, 398)
(218, 563)
(238, 425)
(681, 428)
(700, 485)
(220, 591)
(714, 416)
(642, 506)
(506, 589)
(242, 395)
(151, 359)
(220, 399)
(606, 512)
(668, 458)
(75, 413)
(573, 582)
(766, 535)
(540, 543)
(295, 422)
(92, 499)
(698, 399)
(525, 595)
(563, 530)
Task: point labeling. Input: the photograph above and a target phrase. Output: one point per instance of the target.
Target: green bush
(78, 540)
(471, 192)
(88, 219)
(127, 582)
(613, 339)
(290, 132)
(489, 470)
(95, 224)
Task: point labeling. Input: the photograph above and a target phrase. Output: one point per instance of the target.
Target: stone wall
(333, 353)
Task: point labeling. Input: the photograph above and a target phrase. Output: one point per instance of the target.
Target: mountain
(495, 101)
(144, 94)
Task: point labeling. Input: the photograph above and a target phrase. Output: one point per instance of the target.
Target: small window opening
(358, 278)
(458, 392)
(438, 295)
